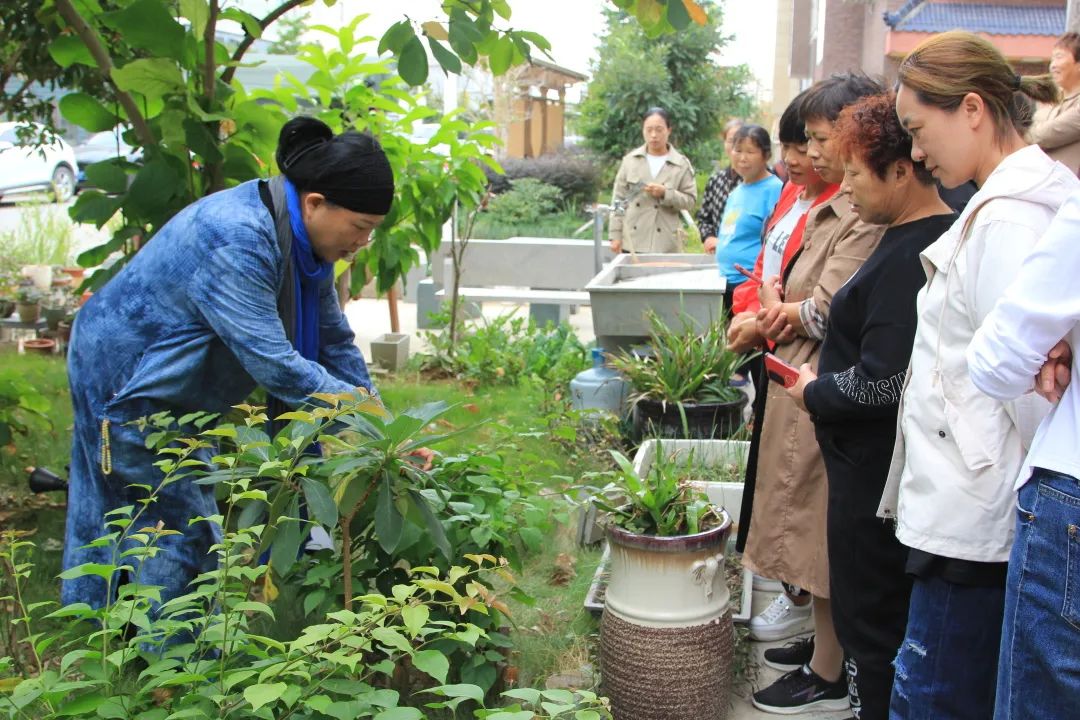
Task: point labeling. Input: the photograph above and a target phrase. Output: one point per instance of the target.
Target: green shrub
(504, 351)
(576, 174)
(526, 201)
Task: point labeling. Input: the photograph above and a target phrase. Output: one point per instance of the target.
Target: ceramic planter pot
(28, 312)
(666, 637)
(76, 273)
(42, 346)
(703, 420)
(7, 307)
(63, 331)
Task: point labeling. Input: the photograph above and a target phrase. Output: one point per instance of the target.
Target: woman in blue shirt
(738, 239)
(237, 290)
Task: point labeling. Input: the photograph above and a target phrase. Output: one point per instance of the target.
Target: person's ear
(310, 202)
(974, 108)
(901, 171)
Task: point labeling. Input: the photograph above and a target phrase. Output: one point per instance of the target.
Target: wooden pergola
(530, 108)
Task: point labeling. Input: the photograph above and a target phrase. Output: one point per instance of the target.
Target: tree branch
(105, 65)
(210, 41)
(227, 76)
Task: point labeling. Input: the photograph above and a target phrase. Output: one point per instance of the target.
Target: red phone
(753, 276)
(780, 371)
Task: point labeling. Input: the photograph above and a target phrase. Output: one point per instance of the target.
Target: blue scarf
(308, 272)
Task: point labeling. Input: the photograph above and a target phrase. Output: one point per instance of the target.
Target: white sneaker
(781, 620)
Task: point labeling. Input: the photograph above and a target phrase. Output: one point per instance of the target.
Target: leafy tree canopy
(677, 71)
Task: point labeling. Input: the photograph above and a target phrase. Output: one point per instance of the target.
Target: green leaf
(434, 524)
(153, 188)
(470, 692)
(532, 537)
(263, 693)
(198, 14)
(153, 77)
(400, 713)
(199, 139)
(149, 25)
(249, 21)
(449, 61)
(68, 50)
(415, 617)
(412, 62)
(97, 569)
(395, 37)
(319, 501)
(86, 112)
(81, 705)
(286, 545)
(502, 55)
(432, 662)
(677, 14)
(107, 175)
(389, 525)
(94, 207)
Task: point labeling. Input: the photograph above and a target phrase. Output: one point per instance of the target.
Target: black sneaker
(799, 690)
(791, 656)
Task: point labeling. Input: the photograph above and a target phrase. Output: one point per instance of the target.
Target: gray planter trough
(390, 351)
(670, 285)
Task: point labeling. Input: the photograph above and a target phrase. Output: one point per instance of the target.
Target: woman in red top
(783, 231)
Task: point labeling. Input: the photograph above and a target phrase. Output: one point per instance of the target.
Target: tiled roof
(921, 16)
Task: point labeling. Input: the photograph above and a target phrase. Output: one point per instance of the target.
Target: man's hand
(1056, 373)
(742, 333)
(796, 391)
(616, 245)
(710, 244)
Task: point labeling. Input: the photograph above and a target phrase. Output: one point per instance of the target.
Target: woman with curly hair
(854, 395)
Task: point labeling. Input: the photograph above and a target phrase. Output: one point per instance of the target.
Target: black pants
(868, 584)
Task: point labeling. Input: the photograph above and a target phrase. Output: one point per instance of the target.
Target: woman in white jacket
(958, 450)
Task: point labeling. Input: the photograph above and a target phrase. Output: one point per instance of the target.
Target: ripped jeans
(947, 665)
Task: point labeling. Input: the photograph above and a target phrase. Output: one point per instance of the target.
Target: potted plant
(682, 387)
(27, 304)
(54, 312)
(666, 636)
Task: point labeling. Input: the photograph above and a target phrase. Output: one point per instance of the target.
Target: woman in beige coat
(786, 539)
(655, 182)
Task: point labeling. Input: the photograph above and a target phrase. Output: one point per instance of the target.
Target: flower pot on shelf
(40, 275)
(703, 420)
(666, 637)
(29, 312)
(7, 307)
(63, 332)
(42, 346)
(390, 351)
(53, 316)
(76, 273)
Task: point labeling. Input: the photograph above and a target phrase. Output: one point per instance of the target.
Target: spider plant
(688, 364)
(664, 503)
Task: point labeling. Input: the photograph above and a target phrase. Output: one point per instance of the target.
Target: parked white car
(25, 168)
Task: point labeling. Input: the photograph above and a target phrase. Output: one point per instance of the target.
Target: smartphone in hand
(780, 371)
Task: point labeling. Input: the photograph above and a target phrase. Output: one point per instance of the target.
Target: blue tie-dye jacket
(192, 322)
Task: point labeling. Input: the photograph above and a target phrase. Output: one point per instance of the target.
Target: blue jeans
(946, 666)
(1039, 671)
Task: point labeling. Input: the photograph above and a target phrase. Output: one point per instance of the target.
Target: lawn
(554, 635)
